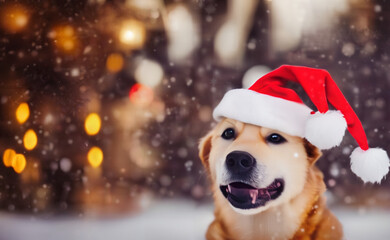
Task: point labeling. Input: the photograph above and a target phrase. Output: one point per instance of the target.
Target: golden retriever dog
(265, 185)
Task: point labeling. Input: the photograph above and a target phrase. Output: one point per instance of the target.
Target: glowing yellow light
(9, 157)
(67, 31)
(128, 35)
(30, 139)
(95, 156)
(14, 18)
(65, 38)
(132, 34)
(114, 63)
(67, 44)
(22, 113)
(20, 163)
(92, 124)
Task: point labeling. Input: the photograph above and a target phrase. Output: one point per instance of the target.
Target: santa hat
(270, 104)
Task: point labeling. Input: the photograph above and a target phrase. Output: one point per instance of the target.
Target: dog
(265, 185)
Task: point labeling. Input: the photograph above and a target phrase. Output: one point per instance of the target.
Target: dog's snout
(239, 162)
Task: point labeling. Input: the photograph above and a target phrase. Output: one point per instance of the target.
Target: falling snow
(153, 71)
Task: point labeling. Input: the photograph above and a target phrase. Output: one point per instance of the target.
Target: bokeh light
(95, 157)
(254, 73)
(30, 139)
(182, 32)
(20, 163)
(141, 95)
(132, 34)
(14, 18)
(65, 38)
(9, 157)
(149, 73)
(114, 62)
(92, 124)
(22, 113)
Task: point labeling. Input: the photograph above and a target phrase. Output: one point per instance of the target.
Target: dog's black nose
(240, 162)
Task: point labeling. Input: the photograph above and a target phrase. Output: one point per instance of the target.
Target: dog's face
(255, 168)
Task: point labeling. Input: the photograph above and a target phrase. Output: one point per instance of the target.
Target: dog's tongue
(246, 193)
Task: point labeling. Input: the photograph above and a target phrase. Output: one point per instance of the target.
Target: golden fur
(299, 213)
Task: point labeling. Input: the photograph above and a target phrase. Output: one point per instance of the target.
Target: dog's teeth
(253, 193)
(229, 189)
(268, 195)
(261, 191)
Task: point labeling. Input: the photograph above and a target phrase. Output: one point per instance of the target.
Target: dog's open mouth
(244, 196)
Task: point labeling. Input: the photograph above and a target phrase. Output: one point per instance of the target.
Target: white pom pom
(325, 130)
(370, 165)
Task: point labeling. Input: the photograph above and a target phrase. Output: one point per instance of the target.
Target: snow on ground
(168, 220)
(364, 224)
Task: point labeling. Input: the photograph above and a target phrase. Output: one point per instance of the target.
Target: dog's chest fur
(278, 223)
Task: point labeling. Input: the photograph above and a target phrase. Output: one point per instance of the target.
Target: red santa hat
(270, 104)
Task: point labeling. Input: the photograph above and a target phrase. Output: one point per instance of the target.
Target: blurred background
(103, 102)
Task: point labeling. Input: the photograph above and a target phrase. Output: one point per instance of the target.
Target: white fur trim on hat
(371, 165)
(325, 130)
(263, 110)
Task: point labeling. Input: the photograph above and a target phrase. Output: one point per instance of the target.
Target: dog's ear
(204, 149)
(313, 153)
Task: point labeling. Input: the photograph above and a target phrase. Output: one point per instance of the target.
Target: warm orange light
(114, 63)
(20, 163)
(22, 113)
(95, 157)
(14, 18)
(141, 95)
(65, 38)
(30, 139)
(9, 157)
(132, 34)
(92, 124)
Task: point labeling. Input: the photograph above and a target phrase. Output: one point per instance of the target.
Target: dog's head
(254, 167)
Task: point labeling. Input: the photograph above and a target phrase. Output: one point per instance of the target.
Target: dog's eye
(228, 133)
(275, 138)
